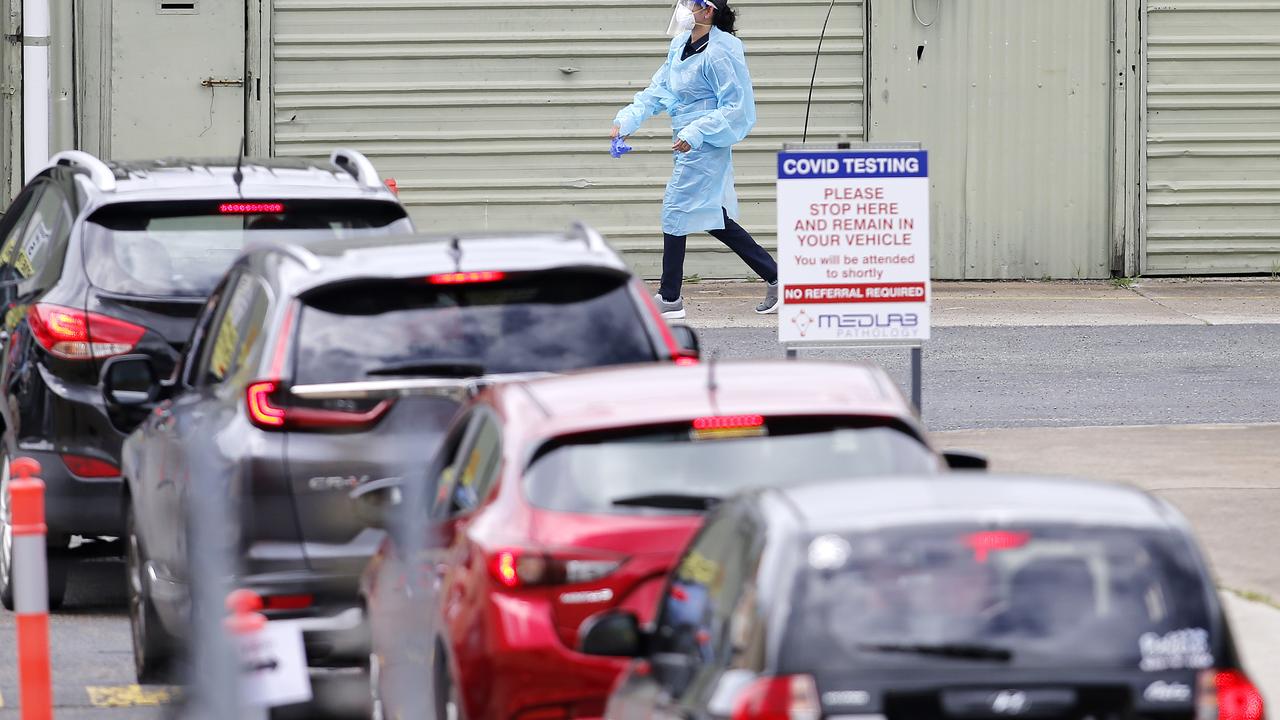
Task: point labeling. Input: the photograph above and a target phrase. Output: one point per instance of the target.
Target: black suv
(314, 369)
(99, 260)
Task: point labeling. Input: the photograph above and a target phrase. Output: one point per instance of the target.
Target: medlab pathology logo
(871, 325)
(802, 322)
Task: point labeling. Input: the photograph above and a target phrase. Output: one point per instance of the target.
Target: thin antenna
(238, 175)
(455, 252)
(813, 80)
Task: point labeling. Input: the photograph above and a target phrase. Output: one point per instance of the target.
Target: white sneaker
(673, 310)
(769, 305)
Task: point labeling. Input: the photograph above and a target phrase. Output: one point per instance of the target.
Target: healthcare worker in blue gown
(705, 86)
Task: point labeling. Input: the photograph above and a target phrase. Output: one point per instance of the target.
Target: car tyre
(57, 563)
(153, 647)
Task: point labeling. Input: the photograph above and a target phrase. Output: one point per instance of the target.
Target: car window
(182, 248)
(675, 469)
(202, 333)
(32, 256)
(15, 223)
(456, 451)
(478, 469)
(1026, 595)
(544, 322)
(707, 613)
(238, 328)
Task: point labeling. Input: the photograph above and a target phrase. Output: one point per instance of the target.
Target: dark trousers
(734, 236)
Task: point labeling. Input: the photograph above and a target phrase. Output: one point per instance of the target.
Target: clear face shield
(682, 20)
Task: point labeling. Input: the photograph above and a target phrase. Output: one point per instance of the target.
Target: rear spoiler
(455, 389)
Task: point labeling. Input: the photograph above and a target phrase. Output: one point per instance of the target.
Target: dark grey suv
(99, 260)
(314, 369)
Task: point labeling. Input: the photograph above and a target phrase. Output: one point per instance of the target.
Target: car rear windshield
(680, 469)
(1017, 596)
(534, 322)
(182, 248)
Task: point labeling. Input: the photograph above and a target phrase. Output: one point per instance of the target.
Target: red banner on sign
(868, 293)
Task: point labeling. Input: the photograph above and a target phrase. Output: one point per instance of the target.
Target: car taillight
(267, 411)
(1228, 695)
(77, 335)
(521, 567)
(789, 697)
(87, 467)
(287, 602)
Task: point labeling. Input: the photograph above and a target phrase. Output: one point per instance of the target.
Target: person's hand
(614, 135)
(682, 147)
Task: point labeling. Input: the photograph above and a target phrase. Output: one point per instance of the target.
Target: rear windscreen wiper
(673, 501)
(953, 650)
(441, 368)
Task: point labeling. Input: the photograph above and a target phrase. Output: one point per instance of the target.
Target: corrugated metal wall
(1213, 136)
(1013, 101)
(496, 113)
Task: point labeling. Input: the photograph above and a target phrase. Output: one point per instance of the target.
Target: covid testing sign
(853, 246)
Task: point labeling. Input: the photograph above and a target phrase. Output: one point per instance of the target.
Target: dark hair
(725, 17)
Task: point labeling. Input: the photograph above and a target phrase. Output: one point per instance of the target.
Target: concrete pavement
(1037, 304)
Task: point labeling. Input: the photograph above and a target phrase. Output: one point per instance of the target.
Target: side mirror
(130, 381)
(376, 500)
(612, 634)
(964, 460)
(687, 340)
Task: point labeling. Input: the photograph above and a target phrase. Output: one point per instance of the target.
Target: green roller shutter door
(495, 114)
(1213, 137)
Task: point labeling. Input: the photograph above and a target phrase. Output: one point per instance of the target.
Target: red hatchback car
(559, 498)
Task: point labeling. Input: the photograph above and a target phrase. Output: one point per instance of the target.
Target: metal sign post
(853, 249)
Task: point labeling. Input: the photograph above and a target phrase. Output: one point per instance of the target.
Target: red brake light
(464, 278)
(77, 335)
(1228, 695)
(262, 412)
(987, 541)
(287, 602)
(268, 413)
(522, 567)
(728, 422)
(789, 697)
(87, 467)
(251, 208)
(393, 186)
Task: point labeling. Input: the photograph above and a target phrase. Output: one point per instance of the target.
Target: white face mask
(681, 21)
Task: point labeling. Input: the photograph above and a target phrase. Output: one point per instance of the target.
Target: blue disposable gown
(712, 107)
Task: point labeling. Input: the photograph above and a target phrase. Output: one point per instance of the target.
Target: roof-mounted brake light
(251, 208)
(985, 542)
(464, 278)
(728, 422)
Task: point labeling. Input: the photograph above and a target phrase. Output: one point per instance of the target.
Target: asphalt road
(999, 377)
(974, 378)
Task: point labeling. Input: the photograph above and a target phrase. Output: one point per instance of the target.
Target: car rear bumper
(74, 505)
(530, 671)
(334, 629)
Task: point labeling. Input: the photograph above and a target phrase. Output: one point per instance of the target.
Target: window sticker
(1186, 649)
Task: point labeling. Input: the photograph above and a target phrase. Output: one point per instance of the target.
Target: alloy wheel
(137, 610)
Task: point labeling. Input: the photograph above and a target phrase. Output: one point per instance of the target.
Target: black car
(99, 260)
(966, 597)
(318, 368)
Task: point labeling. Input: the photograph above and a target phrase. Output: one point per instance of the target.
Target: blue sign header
(853, 164)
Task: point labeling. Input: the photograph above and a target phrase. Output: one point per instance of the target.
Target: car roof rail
(358, 165)
(99, 172)
(303, 256)
(591, 237)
